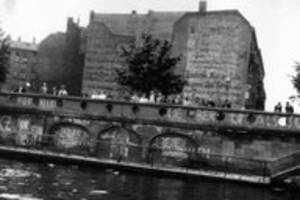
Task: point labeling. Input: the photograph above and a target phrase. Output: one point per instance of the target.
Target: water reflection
(26, 181)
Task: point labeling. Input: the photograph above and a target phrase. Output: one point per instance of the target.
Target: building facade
(22, 61)
(220, 55)
(220, 58)
(60, 60)
(107, 34)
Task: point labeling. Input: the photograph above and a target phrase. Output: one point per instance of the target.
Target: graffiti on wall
(174, 147)
(24, 101)
(23, 130)
(209, 63)
(6, 126)
(28, 133)
(70, 136)
(118, 140)
(47, 103)
(246, 120)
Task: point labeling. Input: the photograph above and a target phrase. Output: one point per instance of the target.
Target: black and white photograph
(149, 100)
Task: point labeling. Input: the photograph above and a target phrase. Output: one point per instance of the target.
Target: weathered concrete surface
(216, 48)
(61, 158)
(220, 57)
(249, 143)
(249, 134)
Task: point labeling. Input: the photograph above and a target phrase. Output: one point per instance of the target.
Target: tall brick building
(220, 56)
(107, 33)
(60, 59)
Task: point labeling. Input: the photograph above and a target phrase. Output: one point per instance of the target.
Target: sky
(276, 23)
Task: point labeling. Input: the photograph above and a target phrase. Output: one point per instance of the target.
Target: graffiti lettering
(47, 103)
(70, 136)
(25, 101)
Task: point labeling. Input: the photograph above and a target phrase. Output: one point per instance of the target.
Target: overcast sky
(276, 23)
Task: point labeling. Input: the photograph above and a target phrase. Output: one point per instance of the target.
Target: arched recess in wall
(119, 143)
(67, 135)
(172, 149)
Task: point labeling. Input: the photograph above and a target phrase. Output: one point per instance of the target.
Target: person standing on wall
(44, 88)
(62, 91)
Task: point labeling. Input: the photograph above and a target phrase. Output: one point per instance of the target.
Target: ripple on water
(9, 196)
(16, 173)
(98, 192)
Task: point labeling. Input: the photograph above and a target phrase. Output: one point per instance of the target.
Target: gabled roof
(23, 46)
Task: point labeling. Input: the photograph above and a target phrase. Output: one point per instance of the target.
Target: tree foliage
(4, 56)
(296, 78)
(150, 66)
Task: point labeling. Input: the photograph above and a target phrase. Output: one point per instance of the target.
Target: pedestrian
(152, 97)
(143, 99)
(289, 108)
(54, 91)
(21, 89)
(278, 107)
(62, 91)
(44, 88)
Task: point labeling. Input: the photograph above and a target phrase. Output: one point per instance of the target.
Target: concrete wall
(217, 48)
(103, 49)
(115, 128)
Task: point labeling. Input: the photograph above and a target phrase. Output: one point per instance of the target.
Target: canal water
(31, 181)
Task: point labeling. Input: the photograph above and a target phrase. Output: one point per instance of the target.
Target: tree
(150, 66)
(296, 78)
(4, 56)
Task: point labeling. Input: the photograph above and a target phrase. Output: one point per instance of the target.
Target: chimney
(19, 39)
(92, 16)
(202, 6)
(70, 20)
(150, 12)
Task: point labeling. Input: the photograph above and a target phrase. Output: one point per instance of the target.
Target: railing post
(226, 165)
(264, 171)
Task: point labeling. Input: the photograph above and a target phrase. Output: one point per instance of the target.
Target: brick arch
(112, 128)
(68, 135)
(63, 123)
(119, 143)
(173, 152)
(174, 135)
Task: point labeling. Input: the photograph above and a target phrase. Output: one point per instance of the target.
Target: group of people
(60, 92)
(153, 97)
(157, 97)
(43, 89)
(288, 108)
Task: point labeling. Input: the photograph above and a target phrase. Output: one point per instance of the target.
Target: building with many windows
(22, 61)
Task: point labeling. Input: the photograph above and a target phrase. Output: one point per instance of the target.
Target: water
(29, 181)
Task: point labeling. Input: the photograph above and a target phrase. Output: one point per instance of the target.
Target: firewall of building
(220, 57)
